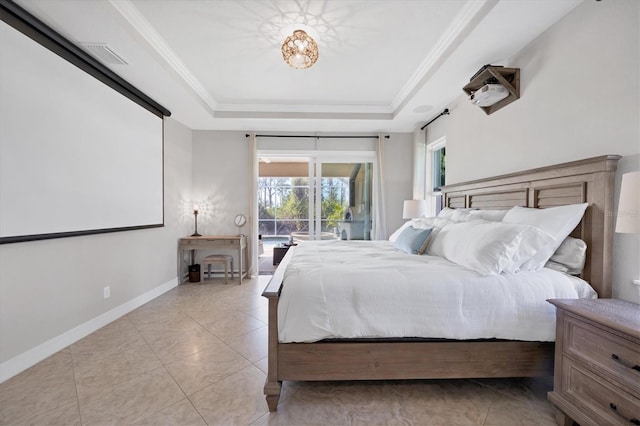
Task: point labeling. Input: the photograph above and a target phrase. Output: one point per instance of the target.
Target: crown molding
(301, 115)
(465, 21)
(305, 108)
(139, 23)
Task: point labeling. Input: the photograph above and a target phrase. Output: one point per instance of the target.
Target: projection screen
(76, 156)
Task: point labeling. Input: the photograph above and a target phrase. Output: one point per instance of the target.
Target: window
(436, 167)
(283, 205)
(308, 197)
(438, 177)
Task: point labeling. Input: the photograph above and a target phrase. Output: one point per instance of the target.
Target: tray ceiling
(384, 65)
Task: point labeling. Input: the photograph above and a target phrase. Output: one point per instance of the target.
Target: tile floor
(197, 355)
(265, 262)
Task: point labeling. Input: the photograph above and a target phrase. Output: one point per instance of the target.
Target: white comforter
(351, 289)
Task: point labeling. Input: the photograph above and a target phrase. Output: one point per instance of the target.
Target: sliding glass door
(315, 197)
(283, 197)
(343, 200)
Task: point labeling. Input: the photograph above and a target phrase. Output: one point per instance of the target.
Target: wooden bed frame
(590, 180)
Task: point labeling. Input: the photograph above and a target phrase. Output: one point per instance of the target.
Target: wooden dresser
(597, 362)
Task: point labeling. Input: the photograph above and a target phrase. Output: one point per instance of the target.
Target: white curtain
(379, 231)
(419, 164)
(252, 239)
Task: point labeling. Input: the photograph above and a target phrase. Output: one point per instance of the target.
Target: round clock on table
(240, 220)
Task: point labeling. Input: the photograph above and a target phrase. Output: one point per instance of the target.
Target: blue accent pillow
(412, 240)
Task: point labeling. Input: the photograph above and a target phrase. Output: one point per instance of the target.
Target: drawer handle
(614, 408)
(626, 364)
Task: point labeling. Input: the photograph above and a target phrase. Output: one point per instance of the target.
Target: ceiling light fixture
(300, 50)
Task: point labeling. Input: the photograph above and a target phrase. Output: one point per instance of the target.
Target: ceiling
(384, 65)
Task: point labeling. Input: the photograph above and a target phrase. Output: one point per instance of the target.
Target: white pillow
(557, 221)
(490, 215)
(447, 212)
(488, 248)
(571, 254)
(460, 215)
(465, 215)
(420, 223)
(430, 222)
(433, 223)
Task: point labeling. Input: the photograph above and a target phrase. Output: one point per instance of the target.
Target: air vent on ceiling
(104, 53)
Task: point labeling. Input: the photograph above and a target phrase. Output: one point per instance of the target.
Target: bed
(586, 181)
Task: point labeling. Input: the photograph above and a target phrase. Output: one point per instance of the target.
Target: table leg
(180, 264)
(240, 261)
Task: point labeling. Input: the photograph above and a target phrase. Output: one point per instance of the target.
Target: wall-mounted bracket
(508, 77)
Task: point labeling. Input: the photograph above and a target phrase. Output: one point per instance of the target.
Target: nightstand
(597, 362)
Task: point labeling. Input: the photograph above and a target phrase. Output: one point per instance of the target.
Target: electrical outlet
(107, 292)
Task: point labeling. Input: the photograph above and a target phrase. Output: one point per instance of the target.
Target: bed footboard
(402, 360)
(273, 385)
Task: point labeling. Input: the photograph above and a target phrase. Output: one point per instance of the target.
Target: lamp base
(195, 234)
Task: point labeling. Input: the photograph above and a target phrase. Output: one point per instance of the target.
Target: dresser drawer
(604, 351)
(590, 393)
(203, 243)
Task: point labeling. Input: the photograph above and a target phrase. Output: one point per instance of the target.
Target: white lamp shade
(414, 208)
(628, 215)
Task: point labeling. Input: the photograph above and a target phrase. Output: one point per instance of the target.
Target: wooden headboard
(585, 181)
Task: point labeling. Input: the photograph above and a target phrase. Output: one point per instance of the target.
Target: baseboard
(27, 359)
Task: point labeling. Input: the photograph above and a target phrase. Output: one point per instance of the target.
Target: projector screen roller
(76, 156)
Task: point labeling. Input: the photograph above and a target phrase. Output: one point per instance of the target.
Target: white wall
(51, 292)
(220, 176)
(580, 95)
(398, 175)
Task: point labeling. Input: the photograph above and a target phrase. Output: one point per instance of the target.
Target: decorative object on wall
(413, 209)
(240, 220)
(494, 87)
(300, 50)
(195, 215)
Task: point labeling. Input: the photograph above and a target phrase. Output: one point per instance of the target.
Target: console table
(212, 242)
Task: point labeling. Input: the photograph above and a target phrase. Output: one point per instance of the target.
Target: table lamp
(413, 209)
(195, 214)
(628, 215)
